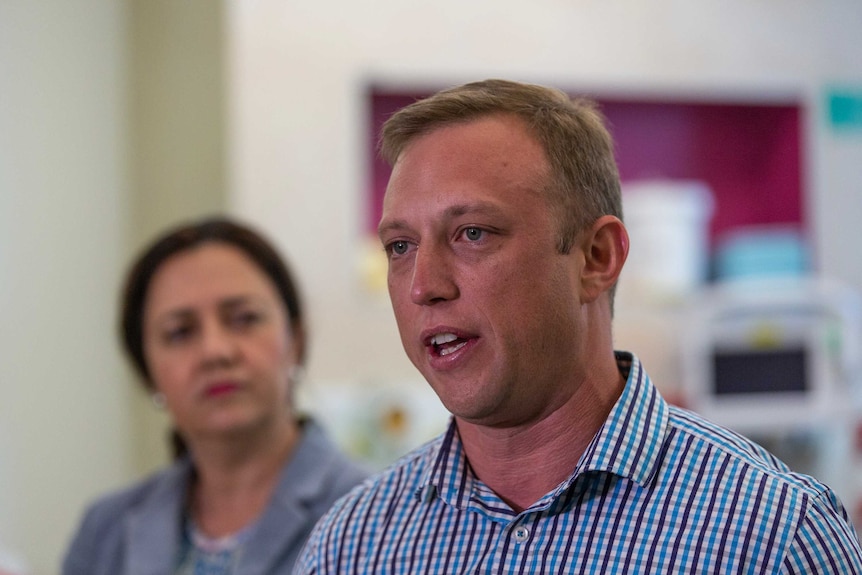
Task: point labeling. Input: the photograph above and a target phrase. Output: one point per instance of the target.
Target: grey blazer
(138, 531)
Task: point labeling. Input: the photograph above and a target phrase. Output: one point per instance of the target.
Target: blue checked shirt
(658, 490)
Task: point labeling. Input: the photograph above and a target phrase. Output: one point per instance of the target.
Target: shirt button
(521, 534)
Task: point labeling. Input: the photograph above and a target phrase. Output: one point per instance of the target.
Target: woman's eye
(473, 234)
(177, 334)
(245, 318)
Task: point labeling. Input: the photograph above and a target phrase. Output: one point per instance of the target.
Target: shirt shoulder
(821, 537)
(724, 442)
(365, 506)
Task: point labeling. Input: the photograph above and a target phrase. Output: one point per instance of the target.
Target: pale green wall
(64, 205)
(176, 96)
(111, 127)
(177, 142)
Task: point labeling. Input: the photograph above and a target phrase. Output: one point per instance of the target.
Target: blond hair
(585, 182)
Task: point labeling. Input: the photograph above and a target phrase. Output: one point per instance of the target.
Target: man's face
(487, 309)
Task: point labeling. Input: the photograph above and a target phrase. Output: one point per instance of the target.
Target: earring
(158, 399)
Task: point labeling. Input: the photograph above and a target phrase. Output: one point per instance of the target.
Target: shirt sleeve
(307, 562)
(826, 542)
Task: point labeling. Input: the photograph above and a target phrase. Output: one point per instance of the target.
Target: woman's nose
(218, 345)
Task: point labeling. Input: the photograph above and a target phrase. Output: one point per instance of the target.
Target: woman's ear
(297, 332)
(605, 246)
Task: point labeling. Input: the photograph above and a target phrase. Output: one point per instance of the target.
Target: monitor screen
(760, 371)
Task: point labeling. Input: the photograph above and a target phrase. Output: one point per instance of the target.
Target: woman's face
(218, 343)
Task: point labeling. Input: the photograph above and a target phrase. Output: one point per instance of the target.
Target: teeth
(453, 349)
(442, 338)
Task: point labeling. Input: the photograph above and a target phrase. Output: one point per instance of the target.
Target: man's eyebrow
(391, 225)
(449, 213)
(474, 208)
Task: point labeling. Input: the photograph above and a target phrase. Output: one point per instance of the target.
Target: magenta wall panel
(748, 152)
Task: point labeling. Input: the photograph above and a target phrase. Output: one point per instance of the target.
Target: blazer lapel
(301, 497)
(282, 528)
(153, 528)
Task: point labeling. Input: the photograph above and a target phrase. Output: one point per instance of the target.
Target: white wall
(64, 406)
(297, 70)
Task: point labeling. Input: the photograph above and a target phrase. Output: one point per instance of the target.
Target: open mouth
(443, 344)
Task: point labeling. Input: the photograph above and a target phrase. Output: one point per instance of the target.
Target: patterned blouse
(204, 555)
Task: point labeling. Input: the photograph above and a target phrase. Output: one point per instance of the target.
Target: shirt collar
(449, 476)
(628, 444)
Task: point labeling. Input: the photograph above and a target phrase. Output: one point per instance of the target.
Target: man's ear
(605, 246)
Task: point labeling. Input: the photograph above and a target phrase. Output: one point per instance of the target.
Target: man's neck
(522, 464)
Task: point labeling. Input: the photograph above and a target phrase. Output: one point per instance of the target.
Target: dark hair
(585, 183)
(212, 230)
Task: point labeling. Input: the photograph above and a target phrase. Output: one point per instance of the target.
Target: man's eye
(399, 247)
(473, 234)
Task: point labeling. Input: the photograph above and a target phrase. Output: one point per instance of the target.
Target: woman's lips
(221, 389)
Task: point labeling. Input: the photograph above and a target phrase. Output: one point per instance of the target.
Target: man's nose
(433, 278)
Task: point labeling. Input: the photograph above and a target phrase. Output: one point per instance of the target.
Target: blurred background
(739, 133)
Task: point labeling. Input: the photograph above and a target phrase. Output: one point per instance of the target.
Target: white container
(668, 225)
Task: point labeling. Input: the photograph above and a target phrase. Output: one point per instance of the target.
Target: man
(502, 224)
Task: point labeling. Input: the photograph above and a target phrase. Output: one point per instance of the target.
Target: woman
(212, 321)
